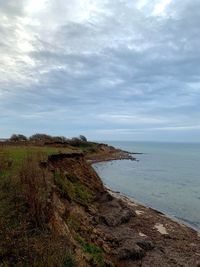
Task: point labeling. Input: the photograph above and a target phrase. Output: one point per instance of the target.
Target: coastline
(116, 154)
(130, 201)
(166, 241)
(99, 226)
(125, 155)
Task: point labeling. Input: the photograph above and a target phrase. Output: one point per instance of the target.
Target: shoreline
(132, 201)
(107, 156)
(125, 155)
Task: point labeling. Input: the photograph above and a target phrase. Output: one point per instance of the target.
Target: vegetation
(18, 137)
(83, 138)
(95, 252)
(25, 239)
(72, 189)
(46, 138)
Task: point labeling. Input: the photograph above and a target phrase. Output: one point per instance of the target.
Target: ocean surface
(166, 177)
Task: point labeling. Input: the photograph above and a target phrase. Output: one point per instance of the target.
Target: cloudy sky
(121, 70)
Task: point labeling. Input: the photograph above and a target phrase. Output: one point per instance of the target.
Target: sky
(110, 70)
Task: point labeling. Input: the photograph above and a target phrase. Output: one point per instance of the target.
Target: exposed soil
(128, 233)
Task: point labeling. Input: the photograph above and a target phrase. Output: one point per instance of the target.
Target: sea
(166, 177)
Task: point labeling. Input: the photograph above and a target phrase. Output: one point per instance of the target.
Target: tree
(61, 139)
(40, 137)
(18, 138)
(83, 138)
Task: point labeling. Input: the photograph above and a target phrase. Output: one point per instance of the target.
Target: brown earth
(128, 234)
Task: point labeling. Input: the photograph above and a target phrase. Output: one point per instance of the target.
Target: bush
(18, 138)
(83, 138)
(40, 137)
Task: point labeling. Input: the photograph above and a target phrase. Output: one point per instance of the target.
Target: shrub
(83, 138)
(40, 137)
(18, 138)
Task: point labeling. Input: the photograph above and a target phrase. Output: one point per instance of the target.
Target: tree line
(38, 137)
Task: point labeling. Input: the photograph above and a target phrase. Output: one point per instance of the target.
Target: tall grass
(25, 209)
(36, 190)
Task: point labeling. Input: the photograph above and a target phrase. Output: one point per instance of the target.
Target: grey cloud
(115, 61)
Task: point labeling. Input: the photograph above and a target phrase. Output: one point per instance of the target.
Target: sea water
(165, 177)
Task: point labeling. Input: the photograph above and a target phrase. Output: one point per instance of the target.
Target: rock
(106, 197)
(116, 219)
(130, 250)
(114, 214)
(145, 244)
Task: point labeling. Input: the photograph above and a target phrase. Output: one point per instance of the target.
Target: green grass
(95, 252)
(76, 191)
(17, 154)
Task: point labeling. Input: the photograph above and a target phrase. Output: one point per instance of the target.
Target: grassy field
(19, 153)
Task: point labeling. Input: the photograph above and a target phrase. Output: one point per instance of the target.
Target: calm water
(166, 177)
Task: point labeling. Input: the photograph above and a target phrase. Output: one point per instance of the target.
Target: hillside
(55, 211)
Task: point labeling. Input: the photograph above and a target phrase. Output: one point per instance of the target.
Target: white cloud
(100, 64)
(160, 7)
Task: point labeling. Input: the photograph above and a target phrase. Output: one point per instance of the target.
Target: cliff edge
(62, 215)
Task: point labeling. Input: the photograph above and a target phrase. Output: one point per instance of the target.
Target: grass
(25, 239)
(72, 190)
(18, 153)
(95, 252)
(73, 222)
(69, 260)
(25, 209)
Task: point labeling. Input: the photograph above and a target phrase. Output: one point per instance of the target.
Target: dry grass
(36, 188)
(25, 209)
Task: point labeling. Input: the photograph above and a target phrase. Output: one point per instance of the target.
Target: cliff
(62, 215)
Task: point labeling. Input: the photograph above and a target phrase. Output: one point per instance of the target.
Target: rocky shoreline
(128, 233)
(132, 202)
(165, 242)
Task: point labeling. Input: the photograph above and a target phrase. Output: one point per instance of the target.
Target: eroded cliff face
(103, 229)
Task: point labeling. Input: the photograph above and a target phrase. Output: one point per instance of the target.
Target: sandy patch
(161, 229)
